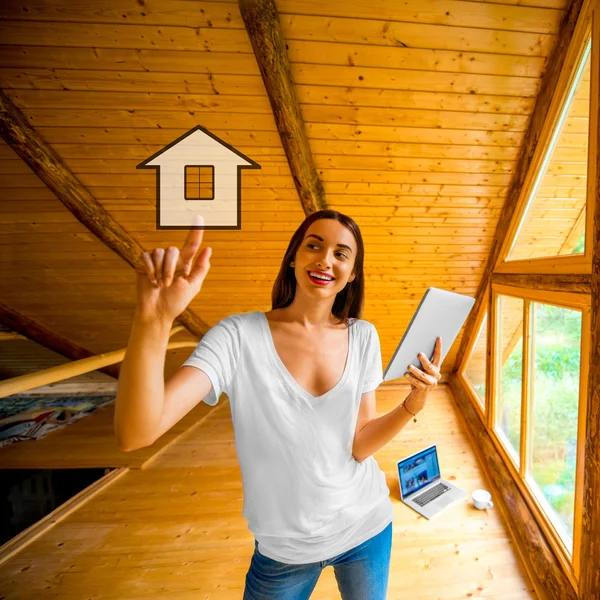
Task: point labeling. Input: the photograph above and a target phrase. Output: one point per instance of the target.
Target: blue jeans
(361, 573)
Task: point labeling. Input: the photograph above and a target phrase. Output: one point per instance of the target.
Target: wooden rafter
(264, 31)
(579, 283)
(47, 165)
(47, 338)
(549, 83)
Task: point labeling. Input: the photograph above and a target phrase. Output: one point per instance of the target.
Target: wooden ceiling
(415, 113)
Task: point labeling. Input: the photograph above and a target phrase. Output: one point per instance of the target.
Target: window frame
(563, 280)
(482, 410)
(185, 182)
(570, 300)
(577, 263)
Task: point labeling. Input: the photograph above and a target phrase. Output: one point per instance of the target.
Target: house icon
(198, 174)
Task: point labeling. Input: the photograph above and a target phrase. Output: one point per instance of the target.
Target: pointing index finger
(193, 241)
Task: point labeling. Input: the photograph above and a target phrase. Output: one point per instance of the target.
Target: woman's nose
(325, 259)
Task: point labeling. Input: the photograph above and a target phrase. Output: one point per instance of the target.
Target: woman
(300, 380)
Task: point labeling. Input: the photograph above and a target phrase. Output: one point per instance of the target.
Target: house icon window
(198, 174)
(199, 182)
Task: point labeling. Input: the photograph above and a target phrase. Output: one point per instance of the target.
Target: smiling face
(329, 248)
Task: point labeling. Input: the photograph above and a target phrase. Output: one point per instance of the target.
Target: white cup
(482, 499)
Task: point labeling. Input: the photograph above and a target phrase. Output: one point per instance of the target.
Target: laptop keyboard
(431, 494)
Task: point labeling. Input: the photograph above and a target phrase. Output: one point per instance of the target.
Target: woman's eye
(314, 246)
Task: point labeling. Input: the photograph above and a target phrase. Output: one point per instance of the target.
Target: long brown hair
(349, 302)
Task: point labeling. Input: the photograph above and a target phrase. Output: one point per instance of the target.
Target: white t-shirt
(306, 498)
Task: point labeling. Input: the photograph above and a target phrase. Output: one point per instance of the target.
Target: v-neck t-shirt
(306, 498)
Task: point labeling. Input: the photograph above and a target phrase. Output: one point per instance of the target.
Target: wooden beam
(550, 79)
(579, 283)
(544, 569)
(60, 373)
(47, 165)
(264, 31)
(43, 336)
(589, 580)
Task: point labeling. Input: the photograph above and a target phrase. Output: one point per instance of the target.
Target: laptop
(421, 486)
(440, 313)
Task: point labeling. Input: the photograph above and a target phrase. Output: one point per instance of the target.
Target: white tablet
(440, 313)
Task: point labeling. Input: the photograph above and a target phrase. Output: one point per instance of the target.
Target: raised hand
(170, 279)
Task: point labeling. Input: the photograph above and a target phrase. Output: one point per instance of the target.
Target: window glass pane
(192, 174)
(554, 223)
(206, 175)
(556, 342)
(192, 182)
(476, 367)
(206, 183)
(510, 373)
(191, 190)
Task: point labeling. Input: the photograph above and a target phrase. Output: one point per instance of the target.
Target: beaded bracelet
(408, 411)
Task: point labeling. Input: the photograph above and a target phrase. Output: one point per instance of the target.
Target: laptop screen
(418, 470)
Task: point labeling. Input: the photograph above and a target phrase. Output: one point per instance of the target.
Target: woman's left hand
(424, 382)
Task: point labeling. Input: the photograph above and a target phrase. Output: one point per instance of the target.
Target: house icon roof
(198, 154)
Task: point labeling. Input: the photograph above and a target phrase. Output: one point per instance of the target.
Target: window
(199, 182)
(477, 366)
(537, 410)
(554, 219)
(539, 313)
(510, 370)
(554, 410)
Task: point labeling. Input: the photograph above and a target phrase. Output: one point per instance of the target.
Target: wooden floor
(172, 526)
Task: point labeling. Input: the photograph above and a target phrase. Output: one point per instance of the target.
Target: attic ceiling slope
(46, 338)
(47, 165)
(414, 114)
